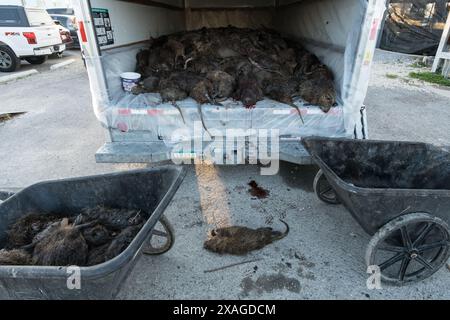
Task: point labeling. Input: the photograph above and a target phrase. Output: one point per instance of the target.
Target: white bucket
(130, 80)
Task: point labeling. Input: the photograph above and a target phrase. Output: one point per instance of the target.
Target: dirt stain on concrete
(270, 283)
(303, 261)
(305, 274)
(256, 191)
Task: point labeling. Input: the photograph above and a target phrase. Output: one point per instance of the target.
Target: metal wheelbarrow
(399, 192)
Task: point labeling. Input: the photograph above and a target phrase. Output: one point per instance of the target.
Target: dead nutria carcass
(249, 92)
(151, 84)
(113, 248)
(280, 89)
(222, 85)
(179, 86)
(177, 48)
(242, 240)
(202, 65)
(97, 255)
(16, 257)
(200, 92)
(91, 237)
(142, 58)
(247, 57)
(64, 246)
(318, 88)
(96, 235)
(325, 99)
(306, 63)
(122, 241)
(283, 90)
(116, 219)
(23, 231)
(170, 91)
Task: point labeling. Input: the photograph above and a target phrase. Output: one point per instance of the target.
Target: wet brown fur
(64, 246)
(92, 237)
(23, 231)
(14, 257)
(248, 57)
(242, 240)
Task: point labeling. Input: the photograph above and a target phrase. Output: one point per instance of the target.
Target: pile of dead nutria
(212, 65)
(93, 237)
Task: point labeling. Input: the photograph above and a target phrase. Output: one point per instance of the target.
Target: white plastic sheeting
(335, 30)
(146, 112)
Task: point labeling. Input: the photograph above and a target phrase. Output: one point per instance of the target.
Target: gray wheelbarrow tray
(399, 192)
(149, 190)
(378, 181)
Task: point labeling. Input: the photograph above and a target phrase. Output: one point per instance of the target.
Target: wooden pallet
(443, 52)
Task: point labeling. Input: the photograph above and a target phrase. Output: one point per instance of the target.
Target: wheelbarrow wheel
(162, 238)
(324, 190)
(410, 248)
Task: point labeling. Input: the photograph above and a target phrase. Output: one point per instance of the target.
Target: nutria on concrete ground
(238, 240)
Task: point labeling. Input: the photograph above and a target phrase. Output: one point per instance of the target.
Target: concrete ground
(25, 66)
(323, 256)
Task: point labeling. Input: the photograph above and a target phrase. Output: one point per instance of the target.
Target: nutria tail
(293, 105)
(284, 234)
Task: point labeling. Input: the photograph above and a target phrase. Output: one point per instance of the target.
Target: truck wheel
(36, 60)
(410, 248)
(8, 60)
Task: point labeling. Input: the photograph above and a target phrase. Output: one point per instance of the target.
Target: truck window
(63, 20)
(66, 11)
(39, 17)
(9, 17)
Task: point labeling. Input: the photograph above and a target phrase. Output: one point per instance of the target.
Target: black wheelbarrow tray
(399, 192)
(149, 190)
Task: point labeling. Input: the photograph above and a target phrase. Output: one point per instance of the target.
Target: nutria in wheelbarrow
(94, 236)
(14, 257)
(238, 63)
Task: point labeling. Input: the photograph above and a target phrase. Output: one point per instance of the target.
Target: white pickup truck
(26, 33)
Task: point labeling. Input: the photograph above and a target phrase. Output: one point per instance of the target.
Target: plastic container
(146, 190)
(130, 80)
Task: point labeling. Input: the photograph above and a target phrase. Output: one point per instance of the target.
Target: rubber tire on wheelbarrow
(168, 233)
(411, 249)
(324, 190)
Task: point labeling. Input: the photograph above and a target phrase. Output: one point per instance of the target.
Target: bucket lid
(130, 76)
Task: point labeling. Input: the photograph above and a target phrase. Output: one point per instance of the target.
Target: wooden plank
(445, 55)
(444, 40)
(446, 69)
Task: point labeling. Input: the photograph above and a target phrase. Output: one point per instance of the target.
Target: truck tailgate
(47, 32)
(47, 36)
